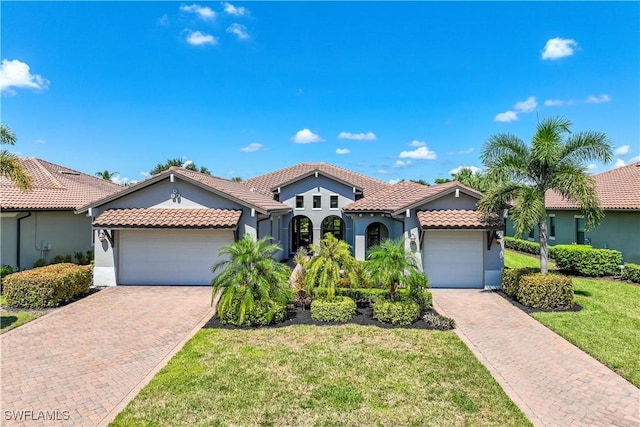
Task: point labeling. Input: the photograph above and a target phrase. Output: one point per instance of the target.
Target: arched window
(301, 232)
(376, 233)
(335, 225)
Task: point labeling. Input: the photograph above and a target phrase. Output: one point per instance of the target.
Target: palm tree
(554, 162)
(251, 274)
(106, 175)
(392, 265)
(10, 166)
(331, 257)
(472, 179)
(160, 167)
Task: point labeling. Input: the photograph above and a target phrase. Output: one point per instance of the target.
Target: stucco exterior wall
(362, 220)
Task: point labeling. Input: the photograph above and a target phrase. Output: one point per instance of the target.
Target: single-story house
(168, 229)
(41, 222)
(619, 193)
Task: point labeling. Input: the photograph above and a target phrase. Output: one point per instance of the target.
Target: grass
(323, 376)
(11, 319)
(606, 327)
(513, 259)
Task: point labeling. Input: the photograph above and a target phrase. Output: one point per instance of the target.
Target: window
(333, 202)
(299, 202)
(552, 227)
(317, 201)
(532, 234)
(580, 230)
(334, 225)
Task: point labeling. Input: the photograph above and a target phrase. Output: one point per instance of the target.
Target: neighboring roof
(458, 218)
(404, 195)
(55, 187)
(226, 188)
(268, 183)
(618, 189)
(168, 218)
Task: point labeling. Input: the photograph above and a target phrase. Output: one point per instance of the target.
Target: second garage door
(169, 257)
(453, 259)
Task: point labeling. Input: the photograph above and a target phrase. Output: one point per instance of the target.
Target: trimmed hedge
(396, 312)
(522, 245)
(423, 298)
(362, 296)
(548, 291)
(511, 279)
(586, 261)
(631, 272)
(264, 313)
(46, 286)
(339, 309)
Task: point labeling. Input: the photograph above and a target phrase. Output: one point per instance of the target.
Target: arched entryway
(376, 233)
(301, 232)
(335, 225)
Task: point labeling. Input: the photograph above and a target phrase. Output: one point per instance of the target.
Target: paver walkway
(551, 380)
(81, 364)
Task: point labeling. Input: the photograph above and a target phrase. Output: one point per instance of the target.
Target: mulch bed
(529, 310)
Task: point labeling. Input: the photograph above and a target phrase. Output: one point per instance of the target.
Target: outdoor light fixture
(101, 236)
(412, 238)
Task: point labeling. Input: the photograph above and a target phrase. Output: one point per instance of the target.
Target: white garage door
(169, 257)
(453, 259)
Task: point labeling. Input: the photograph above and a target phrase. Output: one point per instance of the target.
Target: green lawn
(607, 326)
(10, 319)
(514, 259)
(326, 376)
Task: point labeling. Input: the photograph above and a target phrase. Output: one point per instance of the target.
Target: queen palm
(391, 265)
(10, 166)
(106, 175)
(555, 161)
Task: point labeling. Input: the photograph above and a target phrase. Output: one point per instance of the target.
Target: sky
(393, 90)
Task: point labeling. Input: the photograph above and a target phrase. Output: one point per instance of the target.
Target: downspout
(18, 239)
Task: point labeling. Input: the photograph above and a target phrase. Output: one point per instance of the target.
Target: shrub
(396, 312)
(338, 309)
(40, 262)
(527, 246)
(545, 291)
(262, 313)
(631, 272)
(586, 261)
(436, 321)
(511, 279)
(5, 270)
(362, 296)
(47, 286)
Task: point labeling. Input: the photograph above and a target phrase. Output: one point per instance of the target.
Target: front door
(301, 233)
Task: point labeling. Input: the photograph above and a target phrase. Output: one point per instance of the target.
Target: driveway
(81, 364)
(551, 380)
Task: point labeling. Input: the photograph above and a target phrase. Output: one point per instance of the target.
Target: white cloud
(122, 180)
(467, 151)
(234, 10)
(305, 136)
(506, 117)
(164, 20)
(187, 163)
(591, 167)
(416, 143)
(622, 150)
(342, 151)
(40, 141)
(251, 148)
(420, 153)
(619, 163)
(402, 163)
(383, 171)
(474, 169)
(558, 48)
(198, 38)
(554, 102)
(526, 106)
(598, 99)
(17, 74)
(394, 181)
(239, 30)
(145, 174)
(203, 12)
(634, 159)
(368, 136)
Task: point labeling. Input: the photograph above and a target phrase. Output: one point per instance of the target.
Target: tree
(179, 163)
(251, 274)
(10, 166)
(106, 175)
(391, 265)
(475, 180)
(236, 179)
(554, 161)
(420, 181)
(331, 256)
(442, 180)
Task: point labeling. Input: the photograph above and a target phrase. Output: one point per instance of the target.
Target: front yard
(331, 375)
(12, 318)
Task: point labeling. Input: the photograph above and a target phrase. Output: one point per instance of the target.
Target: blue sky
(405, 90)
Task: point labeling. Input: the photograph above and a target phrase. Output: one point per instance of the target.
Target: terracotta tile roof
(458, 218)
(401, 196)
(269, 182)
(618, 189)
(168, 218)
(55, 188)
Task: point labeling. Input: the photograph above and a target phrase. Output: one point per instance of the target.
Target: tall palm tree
(251, 274)
(554, 161)
(10, 166)
(392, 265)
(106, 175)
(472, 179)
(331, 256)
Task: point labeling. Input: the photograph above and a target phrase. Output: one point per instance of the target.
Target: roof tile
(168, 218)
(458, 218)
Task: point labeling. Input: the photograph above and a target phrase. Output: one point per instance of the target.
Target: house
(41, 223)
(168, 229)
(619, 193)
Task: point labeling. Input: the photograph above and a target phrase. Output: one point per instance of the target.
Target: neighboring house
(41, 223)
(169, 228)
(619, 193)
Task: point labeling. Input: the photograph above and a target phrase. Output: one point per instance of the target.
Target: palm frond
(529, 209)
(11, 168)
(588, 146)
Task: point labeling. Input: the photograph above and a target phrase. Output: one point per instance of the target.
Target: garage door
(453, 259)
(169, 257)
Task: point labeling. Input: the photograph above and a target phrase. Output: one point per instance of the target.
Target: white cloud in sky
(198, 38)
(622, 150)
(17, 74)
(402, 163)
(554, 102)
(187, 163)
(305, 136)
(342, 151)
(145, 174)
(40, 141)
(251, 148)
(122, 180)
(383, 171)
(634, 159)
(394, 181)
(558, 48)
(506, 117)
(420, 153)
(467, 151)
(598, 99)
(527, 105)
(164, 20)
(235, 10)
(591, 167)
(203, 12)
(362, 136)
(474, 169)
(619, 163)
(239, 30)
(416, 143)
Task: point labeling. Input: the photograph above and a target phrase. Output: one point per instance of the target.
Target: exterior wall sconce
(174, 194)
(412, 238)
(104, 235)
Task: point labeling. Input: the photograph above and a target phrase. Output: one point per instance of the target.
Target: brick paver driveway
(82, 363)
(551, 380)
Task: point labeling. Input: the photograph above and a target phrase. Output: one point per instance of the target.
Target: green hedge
(587, 261)
(631, 272)
(46, 286)
(522, 245)
(367, 296)
(264, 313)
(511, 279)
(396, 312)
(339, 309)
(423, 298)
(545, 291)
